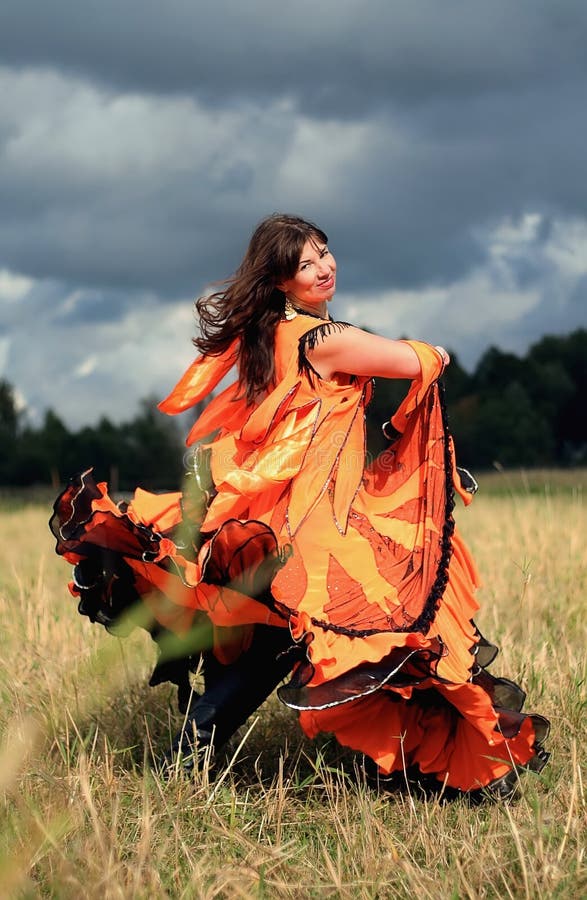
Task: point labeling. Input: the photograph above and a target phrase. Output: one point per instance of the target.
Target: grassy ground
(83, 816)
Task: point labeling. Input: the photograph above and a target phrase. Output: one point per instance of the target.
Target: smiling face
(314, 282)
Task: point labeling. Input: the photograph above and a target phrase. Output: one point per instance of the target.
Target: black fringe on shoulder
(308, 342)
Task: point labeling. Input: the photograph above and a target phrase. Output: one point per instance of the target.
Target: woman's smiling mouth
(328, 284)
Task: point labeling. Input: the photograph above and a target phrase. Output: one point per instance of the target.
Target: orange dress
(360, 560)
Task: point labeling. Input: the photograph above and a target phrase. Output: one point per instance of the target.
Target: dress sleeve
(199, 380)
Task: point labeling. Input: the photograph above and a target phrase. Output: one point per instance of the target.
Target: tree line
(147, 450)
(510, 411)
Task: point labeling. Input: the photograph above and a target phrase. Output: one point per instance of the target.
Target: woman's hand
(444, 355)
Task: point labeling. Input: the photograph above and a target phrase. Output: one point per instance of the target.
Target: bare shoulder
(346, 348)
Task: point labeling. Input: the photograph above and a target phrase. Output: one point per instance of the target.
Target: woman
(285, 532)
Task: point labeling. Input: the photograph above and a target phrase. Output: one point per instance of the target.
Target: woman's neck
(316, 309)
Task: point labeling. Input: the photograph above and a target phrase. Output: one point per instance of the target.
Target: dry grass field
(83, 815)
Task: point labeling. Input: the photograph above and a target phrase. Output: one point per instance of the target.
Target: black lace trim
(308, 342)
(306, 312)
(426, 617)
(402, 667)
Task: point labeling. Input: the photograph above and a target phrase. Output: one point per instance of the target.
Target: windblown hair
(250, 306)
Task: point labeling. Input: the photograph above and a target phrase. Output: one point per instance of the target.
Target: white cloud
(567, 248)
(87, 367)
(318, 156)
(481, 308)
(4, 351)
(141, 355)
(91, 132)
(12, 286)
(20, 401)
(464, 316)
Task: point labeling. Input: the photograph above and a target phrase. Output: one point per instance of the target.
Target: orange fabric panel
(198, 381)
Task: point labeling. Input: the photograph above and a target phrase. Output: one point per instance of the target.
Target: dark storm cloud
(82, 208)
(416, 189)
(344, 56)
(91, 307)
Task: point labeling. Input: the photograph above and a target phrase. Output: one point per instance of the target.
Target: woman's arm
(358, 352)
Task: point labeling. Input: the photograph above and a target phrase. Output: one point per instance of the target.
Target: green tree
(457, 381)
(496, 370)
(507, 429)
(567, 353)
(388, 393)
(153, 449)
(9, 431)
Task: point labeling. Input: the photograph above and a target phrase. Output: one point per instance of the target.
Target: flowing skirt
(415, 696)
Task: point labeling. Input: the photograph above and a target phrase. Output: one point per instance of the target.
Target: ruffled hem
(148, 551)
(460, 735)
(402, 715)
(435, 739)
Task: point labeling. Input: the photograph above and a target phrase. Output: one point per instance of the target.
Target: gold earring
(289, 311)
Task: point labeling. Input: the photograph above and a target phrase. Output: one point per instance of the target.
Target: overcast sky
(441, 144)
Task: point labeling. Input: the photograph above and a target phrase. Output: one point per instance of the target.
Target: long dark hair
(250, 306)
